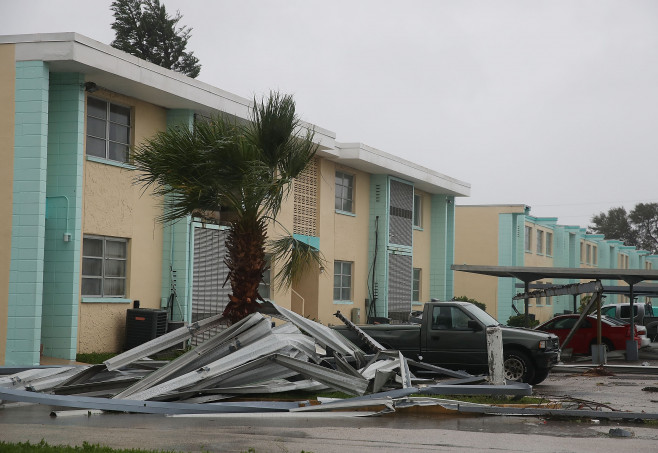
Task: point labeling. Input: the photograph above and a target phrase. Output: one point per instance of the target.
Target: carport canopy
(529, 274)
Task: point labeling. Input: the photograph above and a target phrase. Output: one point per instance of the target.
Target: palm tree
(242, 172)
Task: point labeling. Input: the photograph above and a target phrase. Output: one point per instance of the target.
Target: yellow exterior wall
(7, 93)
(476, 243)
(540, 308)
(422, 246)
(113, 206)
(343, 238)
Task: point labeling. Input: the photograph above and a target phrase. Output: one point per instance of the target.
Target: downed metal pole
(367, 339)
(144, 407)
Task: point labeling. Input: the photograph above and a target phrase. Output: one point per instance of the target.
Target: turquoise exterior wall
(61, 272)
(442, 243)
(177, 248)
(378, 226)
(511, 234)
(28, 217)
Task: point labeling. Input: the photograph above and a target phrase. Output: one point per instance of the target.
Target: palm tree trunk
(245, 244)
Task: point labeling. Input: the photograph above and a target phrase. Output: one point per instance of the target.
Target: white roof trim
(372, 160)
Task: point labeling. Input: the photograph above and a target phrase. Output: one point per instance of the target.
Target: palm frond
(293, 258)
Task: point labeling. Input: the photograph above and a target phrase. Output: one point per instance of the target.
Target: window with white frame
(415, 288)
(104, 261)
(549, 243)
(342, 280)
(540, 242)
(108, 130)
(528, 238)
(344, 192)
(265, 285)
(418, 210)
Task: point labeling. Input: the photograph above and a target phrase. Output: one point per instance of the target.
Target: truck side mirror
(474, 325)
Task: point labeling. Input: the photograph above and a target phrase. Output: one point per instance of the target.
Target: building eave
(374, 161)
(123, 73)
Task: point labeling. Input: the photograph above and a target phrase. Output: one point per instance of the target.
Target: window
(595, 259)
(415, 291)
(622, 261)
(582, 252)
(344, 192)
(265, 285)
(342, 280)
(418, 210)
(549, 243)
(588, 254)
(449, 318)
(104, 266)
(528, 238)
(608, 311)
(540, 242)
(108, 130)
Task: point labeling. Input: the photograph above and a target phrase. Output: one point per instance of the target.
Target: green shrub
(480, 305)
(519, 321)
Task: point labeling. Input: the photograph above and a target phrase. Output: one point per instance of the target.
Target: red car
(613, 333)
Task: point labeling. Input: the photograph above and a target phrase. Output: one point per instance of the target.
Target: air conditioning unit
(144, 324)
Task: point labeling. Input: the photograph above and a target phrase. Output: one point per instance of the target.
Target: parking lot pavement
(614, 387)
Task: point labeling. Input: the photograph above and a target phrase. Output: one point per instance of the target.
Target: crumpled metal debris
(248, 358)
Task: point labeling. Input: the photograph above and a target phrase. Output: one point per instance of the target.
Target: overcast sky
(553, 104)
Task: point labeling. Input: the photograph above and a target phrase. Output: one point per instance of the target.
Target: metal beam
(162, 342)
(576, 288)
(335, 379)
(144, 407)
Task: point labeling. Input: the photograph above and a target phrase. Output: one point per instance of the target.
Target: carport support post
(495, 355)
(526, 318)
(631, 345)
(599, 355)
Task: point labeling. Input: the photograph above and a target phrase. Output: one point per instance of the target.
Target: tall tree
(638, 228)
(144, 28)
(614, 225)
(243, 172)
(644, 218)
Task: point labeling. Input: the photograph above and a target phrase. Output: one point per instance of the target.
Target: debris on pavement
(252, 358)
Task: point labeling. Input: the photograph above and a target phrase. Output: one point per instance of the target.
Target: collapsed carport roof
(529, 274)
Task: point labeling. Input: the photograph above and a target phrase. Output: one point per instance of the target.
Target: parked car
(613, 333)
(641, 330)
(645, 314)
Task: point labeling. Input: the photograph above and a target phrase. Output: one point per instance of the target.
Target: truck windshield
(481, 315)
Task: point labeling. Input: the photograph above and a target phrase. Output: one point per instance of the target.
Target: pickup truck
(453, 335)
(645, 315)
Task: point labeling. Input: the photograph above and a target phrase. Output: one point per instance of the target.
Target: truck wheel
(540, 375)
(518, 367)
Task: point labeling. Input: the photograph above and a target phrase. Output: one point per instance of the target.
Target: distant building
(81, 242)
(507, 235)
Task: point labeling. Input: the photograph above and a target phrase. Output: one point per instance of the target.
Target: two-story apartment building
(82, 242)
(508, 235)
